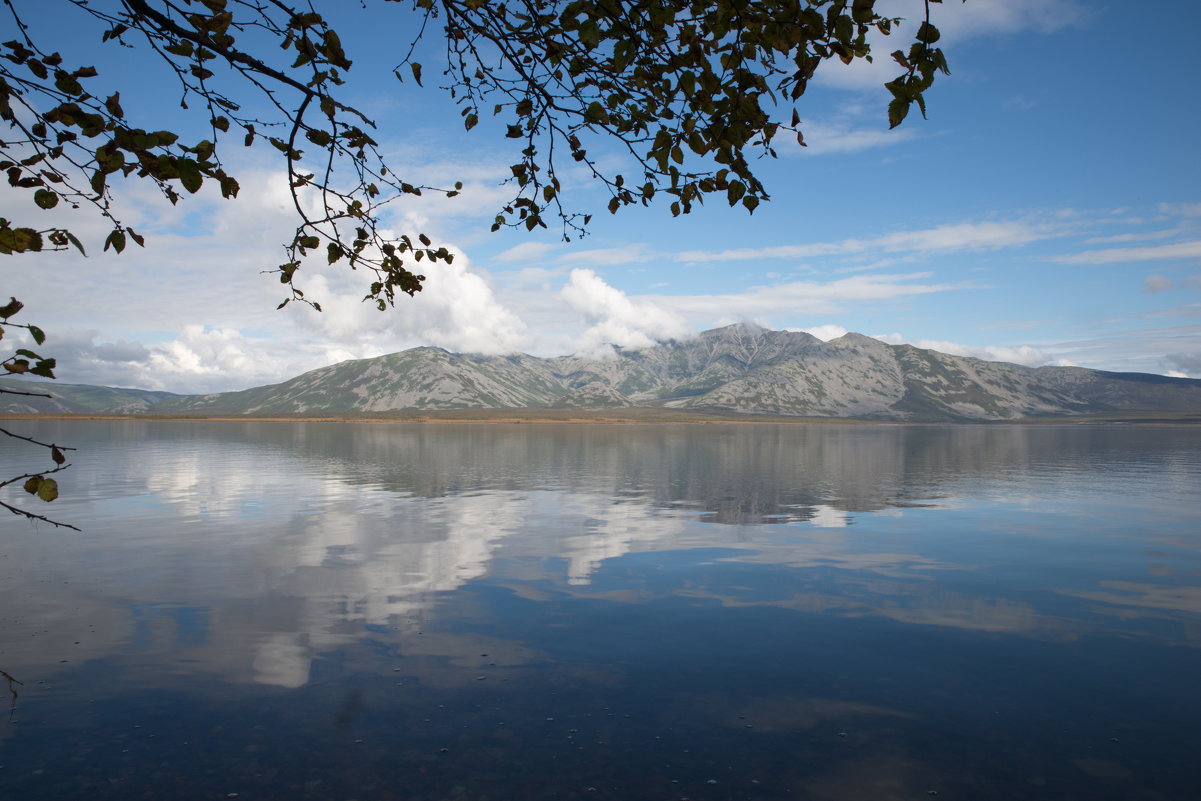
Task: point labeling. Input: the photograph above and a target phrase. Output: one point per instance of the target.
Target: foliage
(691, 92)
(25, 362)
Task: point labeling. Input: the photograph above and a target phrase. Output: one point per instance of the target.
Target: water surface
(438, 612)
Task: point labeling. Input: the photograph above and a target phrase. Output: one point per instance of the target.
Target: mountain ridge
(738, 368)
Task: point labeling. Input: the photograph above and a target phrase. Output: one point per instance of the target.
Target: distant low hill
(734, 369)
(76, 398)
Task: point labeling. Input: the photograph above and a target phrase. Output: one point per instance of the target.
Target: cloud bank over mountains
(210, 325)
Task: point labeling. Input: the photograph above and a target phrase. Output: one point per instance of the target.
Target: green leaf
(12, 307)
(735, 191)
(115, 240)
(32, 483)
(47, 489)
(44, 368)
(38, 335)
(897, 110)
(45, 198)
(416, 68)
(189, 175)
(75, 241)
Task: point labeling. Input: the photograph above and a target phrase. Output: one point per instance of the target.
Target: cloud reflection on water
(296, 540)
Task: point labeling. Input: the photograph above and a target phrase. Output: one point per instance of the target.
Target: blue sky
(1047, 212)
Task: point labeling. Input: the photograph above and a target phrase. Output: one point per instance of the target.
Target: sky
(1048, 212)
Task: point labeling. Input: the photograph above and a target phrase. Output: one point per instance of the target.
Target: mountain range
(738, 368)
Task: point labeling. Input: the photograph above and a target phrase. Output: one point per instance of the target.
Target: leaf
(75, 241)
(115, 240)
(735, 191)
(38, 335)
(416, 68)
(471, 121)
(45, 198)
(897, 110)
(32, 483)
(48, 489)
(44, 368)
(12, 307)
(57, 455)
(189, 175)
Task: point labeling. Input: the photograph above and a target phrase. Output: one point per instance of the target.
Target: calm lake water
(492, 612)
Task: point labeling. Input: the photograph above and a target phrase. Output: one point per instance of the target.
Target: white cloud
(1188, 365)
(1181, 209)
(1156, 283)
(526, 252)
(616, 319)
(844, 136)
(1151, 350)
(944, 238)
(811, 298)
(1178, 250)
(1138, 236)
(1020, 354)
(824, 332)
(456, 310)
(636, 253)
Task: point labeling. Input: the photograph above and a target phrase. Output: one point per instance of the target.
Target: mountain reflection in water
(311, 610)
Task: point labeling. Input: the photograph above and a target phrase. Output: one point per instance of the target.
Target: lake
(464, 612)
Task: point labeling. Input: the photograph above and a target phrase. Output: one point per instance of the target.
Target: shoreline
(640, 417)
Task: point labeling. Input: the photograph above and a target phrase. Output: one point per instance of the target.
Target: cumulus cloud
(1156, 283)
(456, 310)
(197, 359)
(615, 318)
